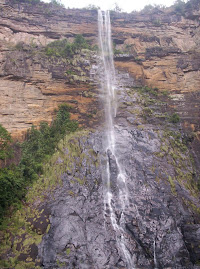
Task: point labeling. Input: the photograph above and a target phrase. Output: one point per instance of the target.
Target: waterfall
(154, 255)
(108, 84)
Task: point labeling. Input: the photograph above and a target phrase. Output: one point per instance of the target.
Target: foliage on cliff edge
(39, 145)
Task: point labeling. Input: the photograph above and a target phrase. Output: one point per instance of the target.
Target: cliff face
(165, 44)
(64, 221)
(161, 49)
(158, 48)
(33, 84)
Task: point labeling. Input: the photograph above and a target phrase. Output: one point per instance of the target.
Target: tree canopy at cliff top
(123, 5)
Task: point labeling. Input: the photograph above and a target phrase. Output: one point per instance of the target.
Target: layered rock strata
(159, 48)
(64, 223)
(33, 84)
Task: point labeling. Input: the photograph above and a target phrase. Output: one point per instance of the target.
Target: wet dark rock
(34, 251)
(124, 57)
(191, 234)
(156, 225)
(161, 52)
(81, 234)
(40, 223)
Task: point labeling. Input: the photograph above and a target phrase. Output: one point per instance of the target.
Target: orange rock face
(163, 45)
(163, 49)
(33, 85)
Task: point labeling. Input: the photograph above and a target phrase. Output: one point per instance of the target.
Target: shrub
(28, 1)
(92, 7)
(63, 48)
(80, 42)
(40, 143)
(67, 51)
(153, 91)
(11, 187)
(56, 47)
(147, 112)
(57, 3)
(156, 23)
(148, 8)
(5, 141)
(179, 7)
(19, 46)
(174, 118)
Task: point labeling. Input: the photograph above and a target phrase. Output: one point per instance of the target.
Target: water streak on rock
(113, 174)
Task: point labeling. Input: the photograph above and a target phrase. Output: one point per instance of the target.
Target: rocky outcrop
(160, 223)
(66, 223)
(34, 84)
(165, 45)
(159, 48)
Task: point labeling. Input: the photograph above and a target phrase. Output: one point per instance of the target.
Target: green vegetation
(147, 112)
(41, 142)
(70, 72)
(179, 7)
(175, 151)
(172, 184)
(149, 90)
(153, 102)
(174, 118)
(19, 237)
(91, 7)
(19, 46)
(28, 1)
(149, 8)
(57, 3)
(27, 225)
(5, 141)
(156, 23)
(62, 48)
(122, 49)
(182, 7)
(68, 250)
(11, 187)
(138, 60)
(38, 147)
(54, 2)
(115, 50)
(117, 8)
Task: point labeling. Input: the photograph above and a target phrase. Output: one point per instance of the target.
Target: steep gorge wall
(33, 84)
(158, 48)
(62, 223)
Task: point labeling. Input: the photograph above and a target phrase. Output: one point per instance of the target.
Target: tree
(179, 6)
(92, 7)
(80, 42)
(57, 3)
(117, 8)
(5, 144)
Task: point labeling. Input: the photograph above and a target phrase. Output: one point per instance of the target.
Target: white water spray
(154, 255)
(110, 106)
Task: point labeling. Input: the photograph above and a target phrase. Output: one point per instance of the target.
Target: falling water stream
(110, 105)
